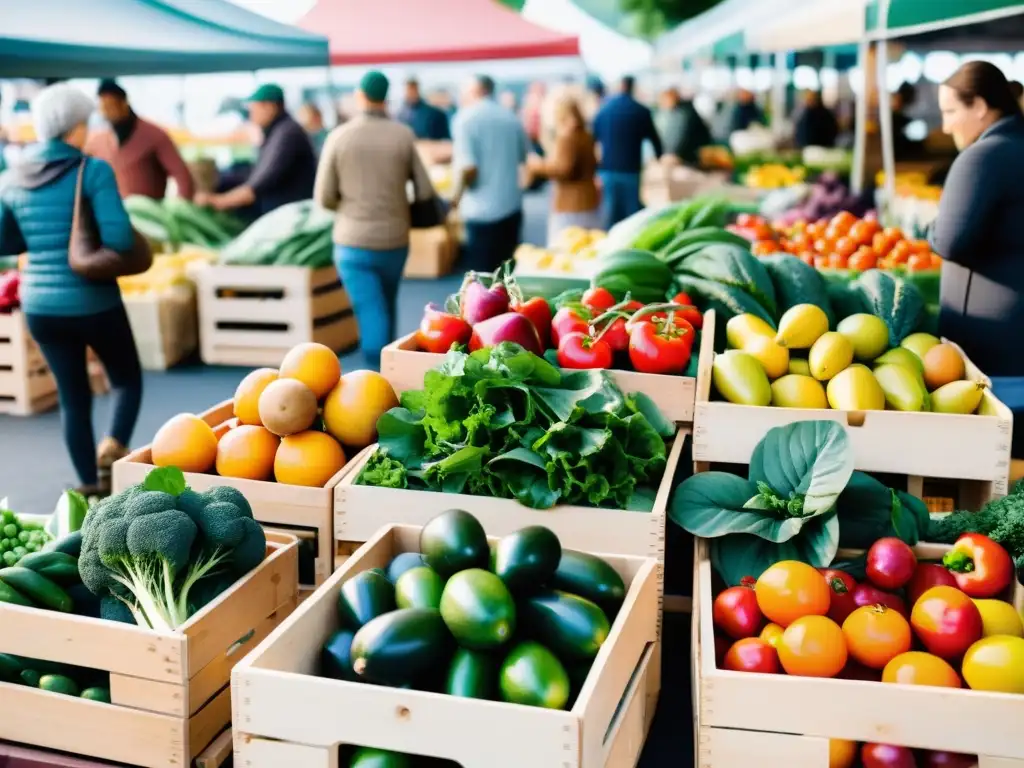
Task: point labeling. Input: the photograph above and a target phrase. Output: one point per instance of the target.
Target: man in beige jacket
(365, 169)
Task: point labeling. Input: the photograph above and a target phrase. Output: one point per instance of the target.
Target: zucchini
(9, 594)
(10, 668)
(37, 588)
(56, 566)
(639, 273)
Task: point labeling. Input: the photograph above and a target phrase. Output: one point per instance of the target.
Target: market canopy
(397, 31)
(109, 38)
(796, 25)
(718, 32)
(898, 18)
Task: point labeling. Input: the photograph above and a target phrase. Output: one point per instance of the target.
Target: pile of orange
(292, 424)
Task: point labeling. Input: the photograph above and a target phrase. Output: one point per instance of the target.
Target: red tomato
(751, 654)
(841, 602)
(614, 334)
(580, 350)
(875, 635)
(926, 576)
(790, 590)
(947, 760)
(537, 311)
(654, 349)
(690, 313)
(567, 320)
(946, 621)
(891, 563)
(918, 668)
(813, 647)
(735, 612)
(981, 567)
(866, 594)
(886, 756)
(598, 299)
(439, 330)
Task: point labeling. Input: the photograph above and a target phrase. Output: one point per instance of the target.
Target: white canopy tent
(728, 18)
(796, 25)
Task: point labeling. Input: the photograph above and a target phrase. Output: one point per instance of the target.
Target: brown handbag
(86, 254)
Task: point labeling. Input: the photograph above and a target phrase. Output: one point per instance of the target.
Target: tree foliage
(656, 16)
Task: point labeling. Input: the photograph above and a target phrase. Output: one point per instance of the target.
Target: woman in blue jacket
(66, 313)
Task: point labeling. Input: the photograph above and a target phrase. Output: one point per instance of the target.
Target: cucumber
(572, 626)
(363, 597)
(472, 675)
(56, 566)
(404, 562)
(419, 588)
(368, 757)
(532, 675)
(526, 560)
(39, 589)
(10, 668)
(454, 541)
(30, 677)
(478, 609)
(97, 694)
(400, 647)
(70, 544)
(589, 577)
(9, 594)
(59, 684)
(336, 656)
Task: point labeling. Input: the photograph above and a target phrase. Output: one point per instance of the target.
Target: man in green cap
(285, 166)
(365, 168)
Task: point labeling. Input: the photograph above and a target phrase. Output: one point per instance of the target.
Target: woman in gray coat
(979, 231)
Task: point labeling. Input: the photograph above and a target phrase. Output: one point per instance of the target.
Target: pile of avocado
(519, 623)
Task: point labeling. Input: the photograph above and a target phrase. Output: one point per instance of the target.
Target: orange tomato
(845, 247)
(875, 635)
(746, 220)
(790, 590)
(764, 247)
(921, 246)
(813, 646)
(836, 260)
(821, 262)
(900, 252)
(881, 243)
(800, 241)
(919, 262)
(919, 668)
(894, 233)
(815, 230)
(807, 257)
(842, 222)
(841, 753)
(823, 246)
(772, 634)
(936, 261)
(863, 231)
(763, 232)
(865, 258)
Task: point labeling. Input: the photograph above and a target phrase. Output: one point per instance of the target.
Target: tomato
(866, 594)
(838, 261)
(918, 668)
(807, 257)
(845, 247)
(995, 664)
(735, 612)
(886, 756)
(439, 330)
(947, 760)
(894, 233)
(598, 299)
(582, 351)
(813, 646)
(568, 320)
(891, 563)
(862, 232)
(537, 311)
(919, 262)
(841, 586)
(842, 222)
(822, 246)
(614, 334)
(659, 347)
(999, 618)
(689, 312)
(946, 621)
(875, 635)
(864, 259)
(841, 753)
(747, 220)
(764, 248)
(772, 634)
(821, 262)
(751, 654)
(926, 576)
(981, 567)
(790, 590)
(900, 252)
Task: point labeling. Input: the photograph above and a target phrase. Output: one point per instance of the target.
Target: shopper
(572, 166)
(312, 120)
(363, 175)
(489, 148)
(816, 125)
(745, 112)
(285, 166)
(682, 130)
(978, 230)
(67, 314)
(427, 121)
(621, 127)
(142, 154)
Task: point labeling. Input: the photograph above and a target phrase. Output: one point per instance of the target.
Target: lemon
(999, 618)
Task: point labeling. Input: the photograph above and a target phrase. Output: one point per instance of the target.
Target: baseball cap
(268, 92)
(374, 86)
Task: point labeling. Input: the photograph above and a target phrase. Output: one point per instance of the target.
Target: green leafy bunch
(801, 500)
(503, 422)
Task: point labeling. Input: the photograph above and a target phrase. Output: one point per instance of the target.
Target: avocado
(363, 597)
(472, 675)
(419, 588)
(367, 757)
(454, 541)
(336, 656)
(478, 609)
(590, 577)
(571, 626)
(533, 675)
(402, 563)
(526, 560)
(401, 646)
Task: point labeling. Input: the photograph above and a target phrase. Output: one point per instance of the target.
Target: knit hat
(59, 108)
(374, 86)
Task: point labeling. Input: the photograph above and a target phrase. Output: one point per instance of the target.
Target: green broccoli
(1002, 520)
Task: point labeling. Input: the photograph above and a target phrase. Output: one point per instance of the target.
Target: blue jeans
(620, 194)
(372, 279)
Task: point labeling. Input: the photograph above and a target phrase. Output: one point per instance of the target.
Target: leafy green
(503, 422)
(870, 510)
(170, 480)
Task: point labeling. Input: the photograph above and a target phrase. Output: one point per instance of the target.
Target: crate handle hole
(240, 642)
(403, 713)
(855, 418)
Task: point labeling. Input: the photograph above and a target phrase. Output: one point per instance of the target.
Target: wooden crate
(404, 365)
(741, 717)
(283, 716)
(927, 445)
(165, 326)
(252, 316)
(432, 252)
(306, 513)
(27, 385)
(169, 690)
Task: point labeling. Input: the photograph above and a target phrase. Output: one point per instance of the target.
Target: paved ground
(34, 469)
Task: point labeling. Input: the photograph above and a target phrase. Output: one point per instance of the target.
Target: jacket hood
(43, 164)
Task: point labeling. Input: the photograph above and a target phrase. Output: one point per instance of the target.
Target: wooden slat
(251, 752)
(205, 725)
(148, 695)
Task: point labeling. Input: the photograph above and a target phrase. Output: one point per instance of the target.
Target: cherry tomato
(891, 563)
(751, 654)
(567, 320)
(790, 590)
(598, 299)
(772, 634)
(845, 247)
(821, 262)
(841, 753)
(995, 664)
(813, 646)
(838, 261)
(875, 635)
(537, 311)
(841, 586)
(981, 567)
(807, 257)
(661, 349)
(862, 232)
(900, 252)
(919, 262)
(842, 222)
(866, 594)
(822, 246)
(946, 621)
(735, 612)
(919, 668)
(886, 756)
(614, 334)
(947, 760)
(864, 259)
(439, 330)
(926, 576)
(582, 351)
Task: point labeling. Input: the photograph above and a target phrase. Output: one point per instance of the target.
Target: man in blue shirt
(489, 147)
(427, 121)
(621, 127)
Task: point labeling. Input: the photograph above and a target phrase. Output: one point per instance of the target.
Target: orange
(186, 442)
(308, 458)
(875, 635)
(247, 396)
(813, 647)
(352, 408)
(919, 668)
(315, 365)
(841, 753)
(247, 452)
(790, 590)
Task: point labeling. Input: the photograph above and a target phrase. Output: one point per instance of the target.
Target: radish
(480, 302)
(510, 326)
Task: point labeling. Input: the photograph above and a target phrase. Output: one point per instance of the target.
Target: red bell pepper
(689, 310)
(981, 567)
(537, 311)
(660, 344)
(582, 351)
(439, 330)
(568, 320)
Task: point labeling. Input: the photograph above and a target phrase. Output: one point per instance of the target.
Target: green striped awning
(907, 17)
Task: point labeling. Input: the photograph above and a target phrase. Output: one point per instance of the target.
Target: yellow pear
(799, 366)
(919, 343)
(831, 353)
(742, 328)
(796, 391)
(903, 390)
(855, 389)
(868, 333)
(801, 326)
(961, 397)
(773, 358)
(740, 378)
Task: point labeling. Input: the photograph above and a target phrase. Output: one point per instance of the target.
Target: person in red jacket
(141, 153)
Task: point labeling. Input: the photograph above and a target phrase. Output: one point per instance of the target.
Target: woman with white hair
(66, 313)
